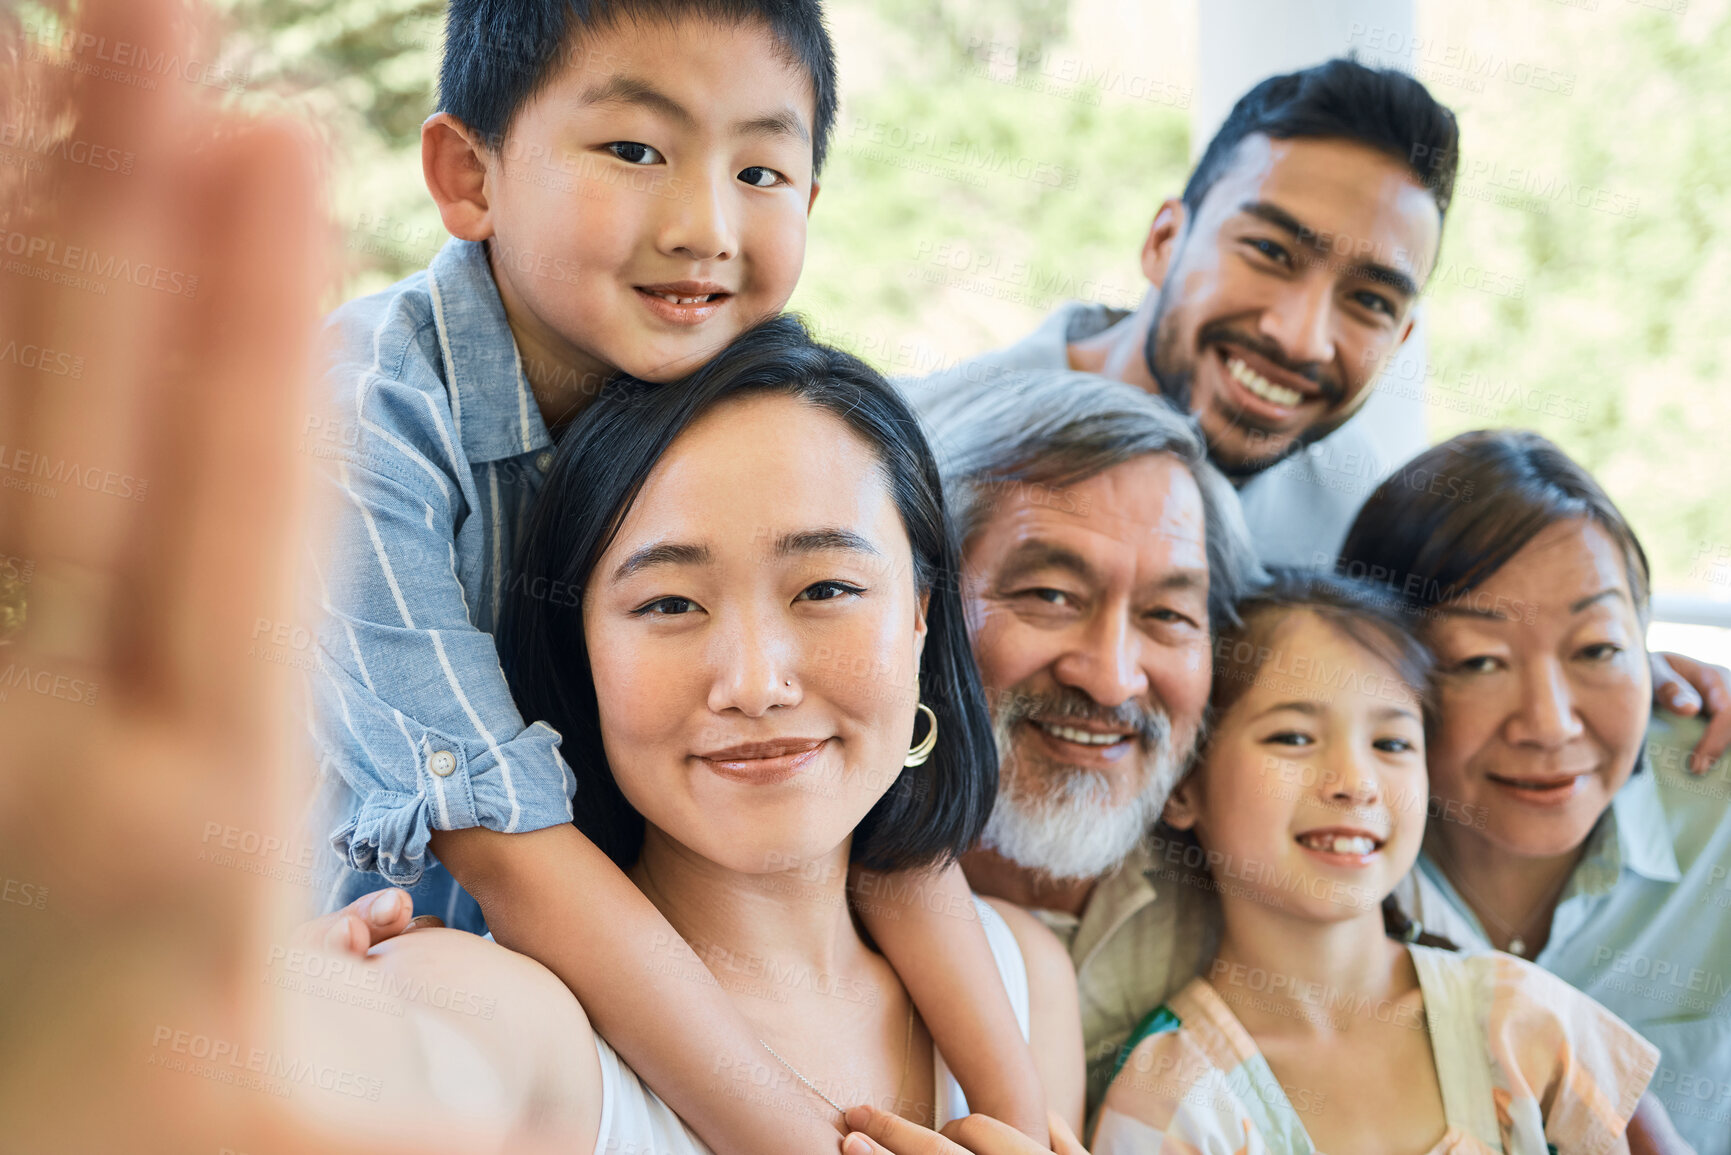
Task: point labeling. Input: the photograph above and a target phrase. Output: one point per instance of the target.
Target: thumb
(359, 926)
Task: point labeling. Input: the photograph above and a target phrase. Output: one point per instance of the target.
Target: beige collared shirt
(1135, 945)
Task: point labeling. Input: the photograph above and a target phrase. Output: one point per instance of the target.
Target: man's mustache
(1221, 333)
(1150, 725)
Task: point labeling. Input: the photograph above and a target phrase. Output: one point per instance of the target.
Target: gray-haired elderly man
(1098, 549)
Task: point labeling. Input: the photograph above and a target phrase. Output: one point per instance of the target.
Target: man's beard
(1060, 820)
(1175, 380)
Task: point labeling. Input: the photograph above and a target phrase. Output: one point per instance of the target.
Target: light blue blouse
(1644, 924)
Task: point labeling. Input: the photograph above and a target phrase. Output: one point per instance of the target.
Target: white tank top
(634, 1120)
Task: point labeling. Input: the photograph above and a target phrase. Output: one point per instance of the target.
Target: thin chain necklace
(1517, 941)
(907, 1058)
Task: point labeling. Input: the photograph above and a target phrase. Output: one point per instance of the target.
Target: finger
(359, 926)
(1064, 1141)
(424, 922)
(1670, 689)
(984, 1135)
(876, 1131)
(1717, 737)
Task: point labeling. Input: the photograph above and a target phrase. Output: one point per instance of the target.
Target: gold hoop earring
(918, 754)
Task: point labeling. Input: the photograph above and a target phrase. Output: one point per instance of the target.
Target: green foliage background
(971, 190)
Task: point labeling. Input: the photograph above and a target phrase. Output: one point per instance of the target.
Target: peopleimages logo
(124, 61)
(23, 137)
(59, 471)
(51, 252)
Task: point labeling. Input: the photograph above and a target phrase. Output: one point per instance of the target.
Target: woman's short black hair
(1454, 515)
(933, 812)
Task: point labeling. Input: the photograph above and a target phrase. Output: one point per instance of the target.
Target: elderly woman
(768, 619)
(1565, 826)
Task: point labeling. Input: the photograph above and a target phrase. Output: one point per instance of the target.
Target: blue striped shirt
(435, 450)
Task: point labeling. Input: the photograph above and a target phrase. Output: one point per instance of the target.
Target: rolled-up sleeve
(410, 704)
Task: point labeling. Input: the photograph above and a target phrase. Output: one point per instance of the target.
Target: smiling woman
(1568, 829)
(719, 581)
(736, 689)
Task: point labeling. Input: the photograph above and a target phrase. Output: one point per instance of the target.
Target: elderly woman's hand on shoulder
(877, 1132)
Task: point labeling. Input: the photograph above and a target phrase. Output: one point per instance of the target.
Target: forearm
(931, 934)
(554, 896)
(1651, 1131)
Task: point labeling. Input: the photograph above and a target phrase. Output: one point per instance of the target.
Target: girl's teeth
(1260, 385)
(1341, 844)
(680, 300)
(1083, 737)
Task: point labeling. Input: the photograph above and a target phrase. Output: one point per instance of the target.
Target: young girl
(1326, 1021)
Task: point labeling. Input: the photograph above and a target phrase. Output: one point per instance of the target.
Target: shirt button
(544, 460)
(443, 763)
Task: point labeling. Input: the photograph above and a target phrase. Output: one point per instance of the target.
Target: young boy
(627, 184)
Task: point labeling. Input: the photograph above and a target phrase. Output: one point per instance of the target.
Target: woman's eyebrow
(816, 540)
(662, 553)
(1610, 592)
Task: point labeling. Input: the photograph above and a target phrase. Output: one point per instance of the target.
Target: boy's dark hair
(500, 53)
(933, 812)
(1345, 100)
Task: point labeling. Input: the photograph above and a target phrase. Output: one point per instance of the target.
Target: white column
(1240, 42)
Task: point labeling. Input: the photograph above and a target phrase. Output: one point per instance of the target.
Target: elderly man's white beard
(1061, 820)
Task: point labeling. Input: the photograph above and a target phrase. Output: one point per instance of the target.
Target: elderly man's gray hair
(1057, 427)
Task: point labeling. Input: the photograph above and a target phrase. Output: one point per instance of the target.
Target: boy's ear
(1183, 803)
(815, 186)
(1162, 242)
(454, 165)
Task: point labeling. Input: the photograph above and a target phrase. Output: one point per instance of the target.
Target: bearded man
(1099, 552)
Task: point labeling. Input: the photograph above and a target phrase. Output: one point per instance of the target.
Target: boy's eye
(759, 177)
(1601, 652)
(631, 152)
(1482, 664)
(668, 606)
(1291, 738)
(828, 591)
(1393, 745)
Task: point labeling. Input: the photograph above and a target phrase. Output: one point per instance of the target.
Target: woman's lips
(1553, 791)
(764, 763)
